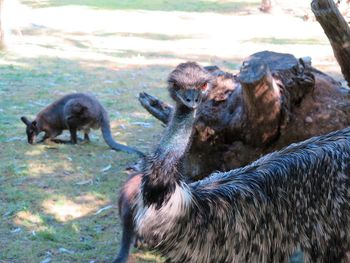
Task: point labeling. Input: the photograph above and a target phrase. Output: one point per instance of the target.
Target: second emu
(297, 197)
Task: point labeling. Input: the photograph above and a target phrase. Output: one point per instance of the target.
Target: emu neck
(178, 133)
(162, 169)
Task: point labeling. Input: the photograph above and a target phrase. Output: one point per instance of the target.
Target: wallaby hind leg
(73, 131)
(86, 135)
(73, 135)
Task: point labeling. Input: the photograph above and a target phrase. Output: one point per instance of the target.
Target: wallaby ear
(25, 120)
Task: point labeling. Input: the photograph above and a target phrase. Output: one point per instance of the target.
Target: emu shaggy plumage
(297, 197)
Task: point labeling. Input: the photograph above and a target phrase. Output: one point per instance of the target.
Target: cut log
(337, 31)
(262, 98)
(275, 100)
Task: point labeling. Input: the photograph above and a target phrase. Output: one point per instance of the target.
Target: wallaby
(73, 112)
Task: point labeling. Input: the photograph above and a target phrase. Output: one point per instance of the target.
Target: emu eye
(204, 87)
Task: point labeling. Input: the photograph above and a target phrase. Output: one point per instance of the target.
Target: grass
(49, 194)
(44, 196)
(45, 204)
(225, 6)
(286, 41)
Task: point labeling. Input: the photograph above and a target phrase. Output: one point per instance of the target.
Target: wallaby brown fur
(73, 112)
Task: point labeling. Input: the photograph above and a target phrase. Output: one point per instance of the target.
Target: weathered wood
(337, 31)
(274, 101)
(154, 106)
(261, 94)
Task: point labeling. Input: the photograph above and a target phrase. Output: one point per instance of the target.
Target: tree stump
(273, 101)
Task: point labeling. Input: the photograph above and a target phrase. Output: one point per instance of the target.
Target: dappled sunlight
(57, 196)
(32, 222)
(126, 37)
(38, 168)
(145, 256)
(12, 63)
(35, 151)
(65, 209)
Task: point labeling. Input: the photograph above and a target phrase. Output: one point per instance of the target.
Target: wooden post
(337, 31)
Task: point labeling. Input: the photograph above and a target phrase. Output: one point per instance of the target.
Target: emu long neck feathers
(162, 169)
(177, 136)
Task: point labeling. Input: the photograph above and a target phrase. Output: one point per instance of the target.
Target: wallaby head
(189, 83)
(31, 129)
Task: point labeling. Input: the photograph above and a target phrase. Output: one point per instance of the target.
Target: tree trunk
(2, 29)
(337, 31)
(266, 6)
(275, 100)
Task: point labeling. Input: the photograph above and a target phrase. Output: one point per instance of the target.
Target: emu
(296, 197)
(73, 112)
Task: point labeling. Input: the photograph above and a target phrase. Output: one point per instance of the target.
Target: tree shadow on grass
(50, 194)
(55, 190)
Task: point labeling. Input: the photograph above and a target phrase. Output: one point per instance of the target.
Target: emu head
(188, 84)
(31, 129)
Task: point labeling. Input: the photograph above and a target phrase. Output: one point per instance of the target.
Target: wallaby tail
(107, 136)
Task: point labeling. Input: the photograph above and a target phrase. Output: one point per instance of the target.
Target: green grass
(225, 6)
(288, 41)
(49, 194)
(41, 181)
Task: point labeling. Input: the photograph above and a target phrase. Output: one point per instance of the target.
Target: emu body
(73, 112)
(297, 197)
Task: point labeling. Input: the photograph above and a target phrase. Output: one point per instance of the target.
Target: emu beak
(191, 101)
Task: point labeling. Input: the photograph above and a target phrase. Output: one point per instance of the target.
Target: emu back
(297, 197)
